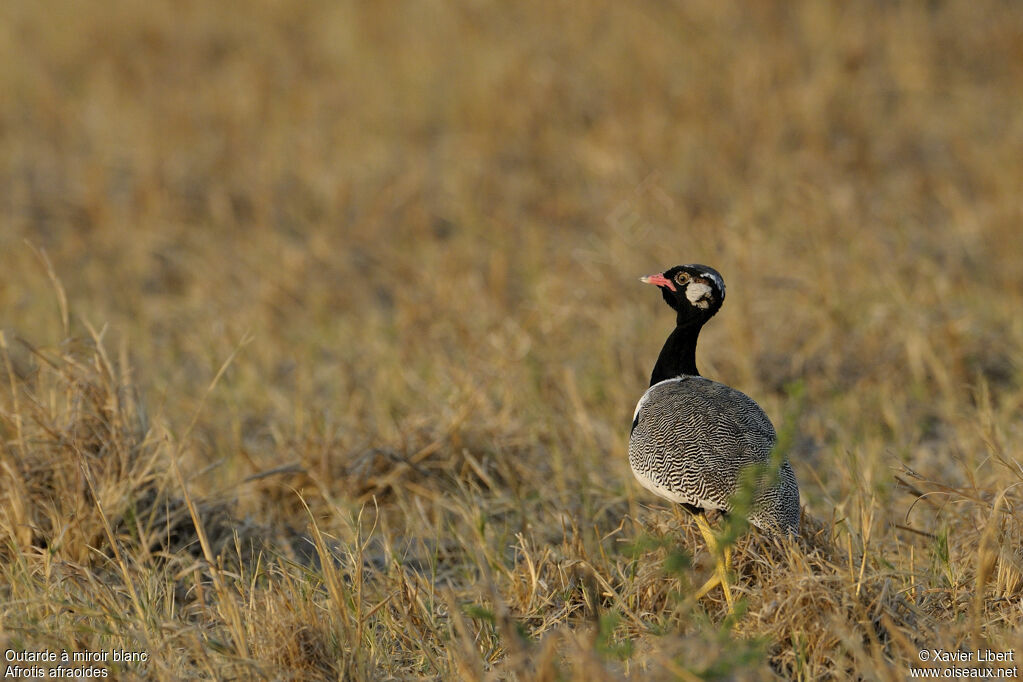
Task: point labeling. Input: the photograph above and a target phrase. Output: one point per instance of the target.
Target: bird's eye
(682, 278)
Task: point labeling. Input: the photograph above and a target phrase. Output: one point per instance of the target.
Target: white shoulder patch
(639, 405)
(646, 395)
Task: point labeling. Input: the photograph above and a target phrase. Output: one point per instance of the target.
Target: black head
(693, 291)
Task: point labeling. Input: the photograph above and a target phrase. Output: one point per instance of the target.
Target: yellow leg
(723, 562)
(711, 583)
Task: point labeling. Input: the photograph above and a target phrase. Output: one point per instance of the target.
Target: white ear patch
(699, 294)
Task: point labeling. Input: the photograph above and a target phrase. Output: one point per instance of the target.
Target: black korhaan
(692, 438)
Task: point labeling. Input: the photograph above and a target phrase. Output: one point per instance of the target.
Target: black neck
(678, 356)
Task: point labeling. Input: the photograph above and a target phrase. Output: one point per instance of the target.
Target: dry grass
(341, 381)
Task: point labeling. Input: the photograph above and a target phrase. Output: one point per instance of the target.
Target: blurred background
(426, 218)
(404, 205)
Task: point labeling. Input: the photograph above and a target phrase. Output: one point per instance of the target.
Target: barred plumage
(692, 438)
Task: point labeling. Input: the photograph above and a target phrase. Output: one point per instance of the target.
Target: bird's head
(695, 292)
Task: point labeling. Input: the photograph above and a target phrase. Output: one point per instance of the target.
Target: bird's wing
(691, 437)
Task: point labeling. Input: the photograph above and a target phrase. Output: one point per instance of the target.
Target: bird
(695, 441)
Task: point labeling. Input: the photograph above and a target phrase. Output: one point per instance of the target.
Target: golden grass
(321, 332)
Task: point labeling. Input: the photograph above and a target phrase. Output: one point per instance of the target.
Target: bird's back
(691, 439)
